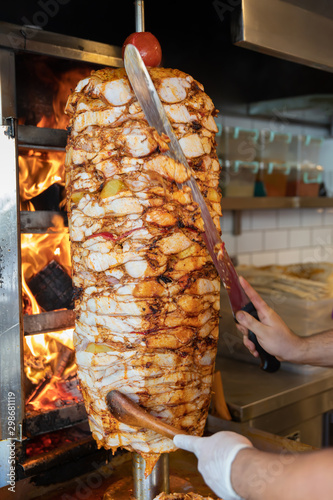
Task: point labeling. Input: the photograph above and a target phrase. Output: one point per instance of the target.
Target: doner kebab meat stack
(147, 293)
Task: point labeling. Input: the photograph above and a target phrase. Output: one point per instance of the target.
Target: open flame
(53, 353)
(37, 250)
(44, 352)
(63, 85)
(49, 358)
(38, 170)
(40, 249)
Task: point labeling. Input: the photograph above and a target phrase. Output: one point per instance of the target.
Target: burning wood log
(52, 287)
(48, 381)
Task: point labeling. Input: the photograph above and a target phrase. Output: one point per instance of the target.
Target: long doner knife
(149, 100)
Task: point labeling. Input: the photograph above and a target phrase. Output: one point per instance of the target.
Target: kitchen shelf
(237, 205)
(314, 109)
(267, 203)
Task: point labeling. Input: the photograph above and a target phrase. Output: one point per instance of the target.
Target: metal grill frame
(20, 40)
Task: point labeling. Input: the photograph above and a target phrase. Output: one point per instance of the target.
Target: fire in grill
(36, 328)
(46, 264)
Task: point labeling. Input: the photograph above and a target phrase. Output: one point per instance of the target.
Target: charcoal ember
(53, 440)
(52, 287)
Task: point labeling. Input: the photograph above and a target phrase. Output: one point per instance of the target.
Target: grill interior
(36, 77)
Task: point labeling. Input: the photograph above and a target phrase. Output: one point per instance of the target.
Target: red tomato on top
(148, 46)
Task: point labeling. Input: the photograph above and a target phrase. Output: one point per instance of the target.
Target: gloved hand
(215, 455)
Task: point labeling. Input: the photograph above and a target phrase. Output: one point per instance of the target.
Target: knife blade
(153, 109)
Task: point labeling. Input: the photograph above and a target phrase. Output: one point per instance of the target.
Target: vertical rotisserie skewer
(148, 292)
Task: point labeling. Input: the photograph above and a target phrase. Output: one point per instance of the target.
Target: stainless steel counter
(288, 402)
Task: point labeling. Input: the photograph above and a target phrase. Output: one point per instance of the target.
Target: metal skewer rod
(139, 16)
(147, 488)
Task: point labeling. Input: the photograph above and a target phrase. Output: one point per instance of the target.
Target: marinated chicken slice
(181, 496)
(147, 293)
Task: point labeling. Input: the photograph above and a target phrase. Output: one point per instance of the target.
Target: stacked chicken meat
(147, 293)
(181, 496)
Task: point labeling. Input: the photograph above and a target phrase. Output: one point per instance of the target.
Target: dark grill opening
(43, 86)
(52, 287)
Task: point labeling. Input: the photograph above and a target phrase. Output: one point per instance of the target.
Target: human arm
(258, 475)
(277, 339)
(234, 469)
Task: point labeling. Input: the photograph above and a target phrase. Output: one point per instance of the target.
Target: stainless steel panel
(42, 222)
(41, 138)
(7, 85)
(261, 439)
(11, 397)
(284, 403)
(282, 29)
(7, 447)
(307, 431)
(10, 287)
(251, 394)
(306, 418)
(49, 321)
(38, 41)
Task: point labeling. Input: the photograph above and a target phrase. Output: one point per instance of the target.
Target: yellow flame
(37, 251)
(38, 171)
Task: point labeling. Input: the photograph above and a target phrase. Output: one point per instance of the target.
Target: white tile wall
(311, 217)
(280, 236)
(289, 218)
(250, 241)
(264, 220)
(262, 258)
(288, 257)
(321, 236)
(299, 238)
(276, 239)
(328, 217)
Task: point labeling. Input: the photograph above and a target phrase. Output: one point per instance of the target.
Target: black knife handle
(269, 363)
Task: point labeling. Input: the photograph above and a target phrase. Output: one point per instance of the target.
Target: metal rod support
(147, 488)
(139, 16)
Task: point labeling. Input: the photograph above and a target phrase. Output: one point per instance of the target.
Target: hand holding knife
(152, 107)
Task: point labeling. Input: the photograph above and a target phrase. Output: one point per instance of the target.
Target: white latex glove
(215, 455)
